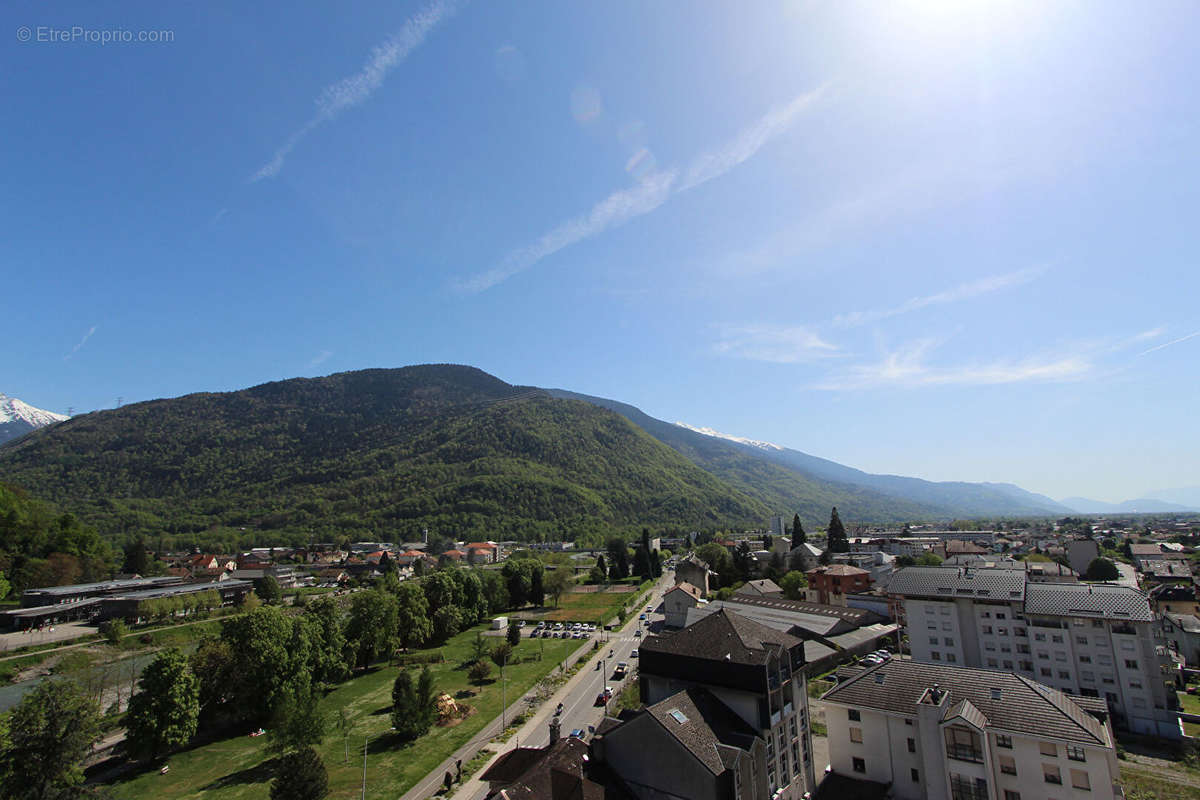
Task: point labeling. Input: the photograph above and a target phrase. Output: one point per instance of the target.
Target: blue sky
(955, 241)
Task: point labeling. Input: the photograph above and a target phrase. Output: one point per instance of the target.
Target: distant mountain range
(1142, 505)
(18, 418)
(788, 479)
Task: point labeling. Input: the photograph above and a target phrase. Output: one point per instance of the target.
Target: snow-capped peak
(13, 410)
(739, 439)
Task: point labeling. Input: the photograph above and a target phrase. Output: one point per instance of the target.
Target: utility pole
(364, 784)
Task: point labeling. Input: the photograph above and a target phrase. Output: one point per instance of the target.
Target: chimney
(555, 730)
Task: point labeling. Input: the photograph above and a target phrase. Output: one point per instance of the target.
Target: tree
(297, 723)
(413, 626)
(494, 590)
(447, 621)
(518, 579)
(301, 776)
(268, 589)
(826, 557)
(268, 663)
(559, 582)
(718, 560)
(641, 564)
(928, 560)
(442, 590)
(136, 562)
(165, 711)
(838, 543)
(502, 654)
(1101, 569)
(618, 558)
(601, 568)
(413, 709)
(776, 566)
(513, 636)
(743, 560)
(372, 626)
(5, 586)
(50, 732)
(114, 631)
(537, 583)
(480, 671)
(327, 640)
(479, 648)
(799, 537)
(793, 584)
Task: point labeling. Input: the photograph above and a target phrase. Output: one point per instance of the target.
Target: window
(856, 735)
(987, 628)
(1050, 774)
(1064, 675)
(1001, 615)
(1044, 656)
(1087, 676)
(861, 766)
(1039, 637)
(948, 641)
(1048, 749)
(1076, 753)
(1079, 780)
(1131, 663)
(964, 745)
(1008, 765)
(854, 715)
(1003, 741)
(993, 663)
(1003, 631)
(912, 747)
(1056, 638)
(1135, 684)
(951, 658)
(916, 776)
(935, 656)
(1085, 659)
(1020, 632)
(1081, 639)
(1008, 664)
(1106, 678)
(932, 626)
(946, 626)
(793, 727)
(933, 640)
(1009, 794)
(945, 610)
(991, 648)
(1060, 656)
(986, 615)
(908, 722)
(1047, 672)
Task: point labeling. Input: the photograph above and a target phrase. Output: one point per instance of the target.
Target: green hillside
(376, 453)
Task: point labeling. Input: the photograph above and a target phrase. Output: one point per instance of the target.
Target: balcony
(962, 752)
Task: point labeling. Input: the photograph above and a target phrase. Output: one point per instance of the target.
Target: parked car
(634, 654)
(600, 700)
(622, 668)
(577, 733)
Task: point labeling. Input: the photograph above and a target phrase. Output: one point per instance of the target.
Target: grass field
(1189, 702)
(591, 606)
(239, 768)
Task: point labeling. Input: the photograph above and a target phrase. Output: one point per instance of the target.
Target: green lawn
(1189, 702)
(234, 769)
(586, 607)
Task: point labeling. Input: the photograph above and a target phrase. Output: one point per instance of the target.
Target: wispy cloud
(357, 88)
(777, 344)
(652, 191)
(908, 367)
(617, 208)
(82, 342)
(1168, 344)
(716, 163)
(320, 358)
(964, 291)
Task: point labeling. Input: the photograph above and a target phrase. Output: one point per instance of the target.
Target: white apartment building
(965, 734)
(1094, 640)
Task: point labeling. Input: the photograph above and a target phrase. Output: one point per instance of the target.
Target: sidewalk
(540, 721)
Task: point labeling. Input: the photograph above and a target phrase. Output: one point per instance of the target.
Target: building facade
(1095, 640)
(754, 670)
(966, 734)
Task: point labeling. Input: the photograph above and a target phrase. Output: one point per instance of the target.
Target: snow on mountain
(18, 418)
(731, 437)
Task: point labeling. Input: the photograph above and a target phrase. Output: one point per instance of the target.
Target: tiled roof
(1145, 549)
(723, 636)
(1001, 700)
(689, 589)
(705, 726)
(850, 614)
(1087, 600)
(838, 570)
(947, 582)
(762, 586)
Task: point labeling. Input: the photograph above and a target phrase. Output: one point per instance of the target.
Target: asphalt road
(579, 694)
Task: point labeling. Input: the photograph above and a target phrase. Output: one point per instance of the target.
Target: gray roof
(1087, 600)
(949, 582)
(759, 587)
(103, 586)
(784, 615)
(705, 726)
(723, 636)
(1188, 622)
(186, 588)
(1024, 706)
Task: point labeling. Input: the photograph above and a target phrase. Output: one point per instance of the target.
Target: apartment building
(1095, 640)
(754, 670)
(965, 734)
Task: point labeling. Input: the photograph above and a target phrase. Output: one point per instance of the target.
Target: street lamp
(364, 779)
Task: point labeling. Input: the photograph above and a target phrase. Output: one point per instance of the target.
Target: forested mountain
(375, 453)
(784, 489)
(778, 475)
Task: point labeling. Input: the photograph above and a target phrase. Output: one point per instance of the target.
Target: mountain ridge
(18, 418)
